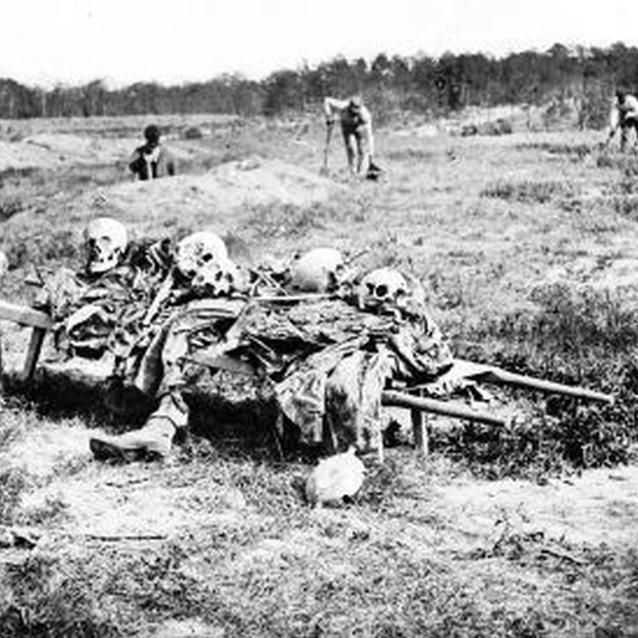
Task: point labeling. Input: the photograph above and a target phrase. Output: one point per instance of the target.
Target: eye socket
(370, 288)
(381, 290)
(206, 258)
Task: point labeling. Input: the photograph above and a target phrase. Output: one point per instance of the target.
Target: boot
(154, 439)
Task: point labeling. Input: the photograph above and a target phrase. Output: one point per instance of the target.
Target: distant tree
(584, 77)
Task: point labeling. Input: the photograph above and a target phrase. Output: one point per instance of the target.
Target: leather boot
(154, 439)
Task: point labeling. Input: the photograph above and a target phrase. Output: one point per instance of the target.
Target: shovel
(324, 168)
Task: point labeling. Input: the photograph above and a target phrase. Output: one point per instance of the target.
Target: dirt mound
(209, 198)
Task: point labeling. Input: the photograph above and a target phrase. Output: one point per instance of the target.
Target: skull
(218, 278)
(382, 287)
(197, 251)
(318, 270)
(105, 241)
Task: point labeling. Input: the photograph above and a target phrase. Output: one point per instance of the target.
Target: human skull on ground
(105, 241)
(195, 253)
(381, 288)
(318, 270)
(218, 278)
(334, 478)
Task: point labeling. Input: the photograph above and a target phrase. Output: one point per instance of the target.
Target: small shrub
(10, 206)
(193, 133)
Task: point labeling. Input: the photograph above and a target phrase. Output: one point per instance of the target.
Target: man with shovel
(356, 128)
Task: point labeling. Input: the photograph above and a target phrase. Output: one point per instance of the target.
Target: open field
(528, 246)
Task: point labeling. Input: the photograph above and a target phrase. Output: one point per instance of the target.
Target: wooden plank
(481, 372)
(403, 400)
(33, 352)
(24, 315)
(496, 375)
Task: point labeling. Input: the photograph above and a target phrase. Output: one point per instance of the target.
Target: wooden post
(420, 432)
(35, 345)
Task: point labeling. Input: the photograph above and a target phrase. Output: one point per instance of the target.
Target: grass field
(528, 246)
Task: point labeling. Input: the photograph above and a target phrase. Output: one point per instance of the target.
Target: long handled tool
(324, 168)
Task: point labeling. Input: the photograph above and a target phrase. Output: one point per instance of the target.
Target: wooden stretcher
(410, 398)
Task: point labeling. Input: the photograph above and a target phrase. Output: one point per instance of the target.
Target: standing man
(356, 127)
(624, 115)
(152, 159)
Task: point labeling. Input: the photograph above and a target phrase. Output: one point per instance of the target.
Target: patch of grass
(41, 244)
(411, 154)
(48, 600)
(347, 578)
(577, 151)
(12, 482)
(529, 191)
(578, 337)
(289, 220)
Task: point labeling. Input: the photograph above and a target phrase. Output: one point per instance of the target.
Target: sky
(45, 42)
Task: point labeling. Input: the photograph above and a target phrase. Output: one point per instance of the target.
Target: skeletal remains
(105, 241)
(382, 286)
(202, 262)
(195, 252)
(334, 479)
(318, 270)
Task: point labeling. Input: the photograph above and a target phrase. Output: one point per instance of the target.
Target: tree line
(418, 83)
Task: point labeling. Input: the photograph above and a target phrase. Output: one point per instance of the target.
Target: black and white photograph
(318, 319)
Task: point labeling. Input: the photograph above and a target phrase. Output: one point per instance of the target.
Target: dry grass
(238, 553)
